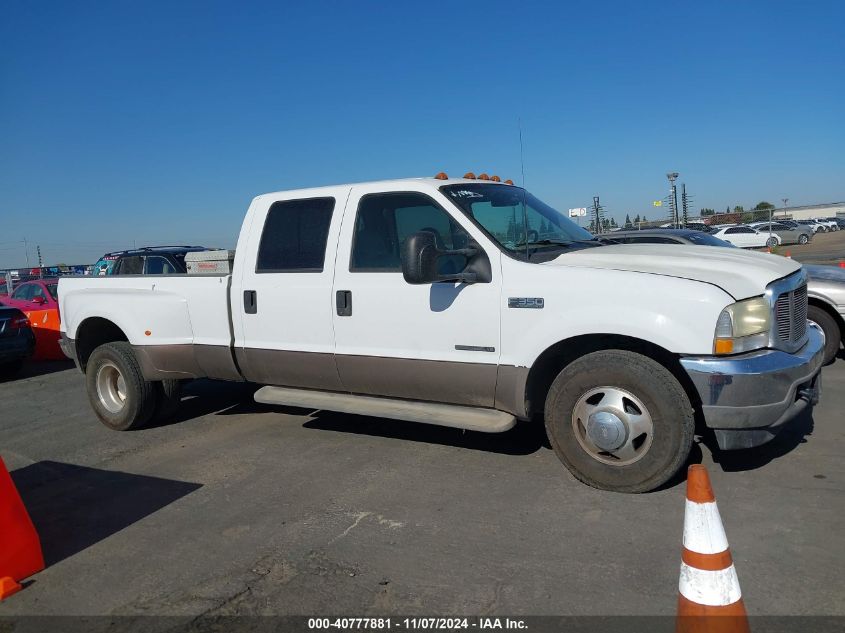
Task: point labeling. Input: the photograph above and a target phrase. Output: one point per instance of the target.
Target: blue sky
(157, 122)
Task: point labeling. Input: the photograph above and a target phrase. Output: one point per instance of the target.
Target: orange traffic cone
(20, 547)
(788, 255)
(709, 597)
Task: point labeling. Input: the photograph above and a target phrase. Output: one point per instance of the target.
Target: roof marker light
(442, 176)
(509, 181)
(483, 177)
(495, 179)
(469, 175)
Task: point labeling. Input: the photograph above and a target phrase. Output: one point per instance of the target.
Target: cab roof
(433, 182)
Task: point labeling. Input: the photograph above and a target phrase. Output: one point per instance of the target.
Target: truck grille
(791, 315)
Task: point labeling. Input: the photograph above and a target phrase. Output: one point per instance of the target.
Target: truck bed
(153, 311)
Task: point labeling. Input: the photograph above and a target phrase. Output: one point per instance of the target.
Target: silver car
(826, 292)
(788, 235)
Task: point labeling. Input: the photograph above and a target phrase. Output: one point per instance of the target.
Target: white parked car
(746, 237)
(830, 225)
(442, 301)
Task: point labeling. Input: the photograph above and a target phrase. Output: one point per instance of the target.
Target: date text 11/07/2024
(418, 623)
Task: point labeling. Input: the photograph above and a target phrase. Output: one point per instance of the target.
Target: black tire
(169, 397)
(832, 333)
(803, 239)
(772, 242)
(656, 388)
(11, 368)
(128, 400)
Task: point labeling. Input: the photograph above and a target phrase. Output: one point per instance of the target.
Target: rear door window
(157, 265)
(294, 236)
(130, 266)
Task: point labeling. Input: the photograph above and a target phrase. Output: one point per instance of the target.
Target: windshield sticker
(465, 194)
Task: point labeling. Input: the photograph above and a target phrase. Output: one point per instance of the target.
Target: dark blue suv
(149, 260)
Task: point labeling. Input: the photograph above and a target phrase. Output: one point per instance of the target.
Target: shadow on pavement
(75, 507)
(205, 397)
(793, 434)
(34, 368)
(525, 438)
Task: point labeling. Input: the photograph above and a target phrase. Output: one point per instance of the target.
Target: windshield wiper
(596, 241)
(545, 243)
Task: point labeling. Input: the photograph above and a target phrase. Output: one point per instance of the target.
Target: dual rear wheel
(120, 396)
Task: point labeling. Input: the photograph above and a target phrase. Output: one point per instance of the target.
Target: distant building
(829, 210)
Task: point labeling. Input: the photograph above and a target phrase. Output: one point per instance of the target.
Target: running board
(470, 418)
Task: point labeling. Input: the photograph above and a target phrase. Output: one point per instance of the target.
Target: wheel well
(92, 333)
(833, 313)
(550, 363)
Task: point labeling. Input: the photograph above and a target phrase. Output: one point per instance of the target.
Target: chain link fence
(11, 279)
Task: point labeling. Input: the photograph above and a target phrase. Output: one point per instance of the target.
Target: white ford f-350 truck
(466, 303)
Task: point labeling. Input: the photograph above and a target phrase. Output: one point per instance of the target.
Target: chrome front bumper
(747, 399)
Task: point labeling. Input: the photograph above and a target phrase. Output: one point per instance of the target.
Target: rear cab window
(294, 236)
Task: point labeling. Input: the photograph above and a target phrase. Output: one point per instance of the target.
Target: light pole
(673, 197)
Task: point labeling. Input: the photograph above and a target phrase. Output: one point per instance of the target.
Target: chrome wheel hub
(606, 430)
(612, 425)
(111, 388)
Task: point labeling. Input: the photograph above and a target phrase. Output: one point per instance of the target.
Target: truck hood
(740, 273)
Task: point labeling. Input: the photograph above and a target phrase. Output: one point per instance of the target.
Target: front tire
(803, 239)
(619, 421)
(832, 333)
(120, 396)
(772, 242)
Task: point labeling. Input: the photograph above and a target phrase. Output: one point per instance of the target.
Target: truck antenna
(521, 156)
(524, 207)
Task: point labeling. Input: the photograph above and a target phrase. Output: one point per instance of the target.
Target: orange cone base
(8, 586)
(700, 618)
(20, 547)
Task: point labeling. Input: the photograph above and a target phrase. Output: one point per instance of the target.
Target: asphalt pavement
(236, 508)
(825, 248)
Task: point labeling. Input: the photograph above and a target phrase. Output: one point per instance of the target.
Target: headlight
(743, 326)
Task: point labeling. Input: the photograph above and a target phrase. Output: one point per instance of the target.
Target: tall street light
(673, 199)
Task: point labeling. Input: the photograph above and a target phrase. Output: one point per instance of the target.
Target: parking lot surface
(240, 509)
(825, 248)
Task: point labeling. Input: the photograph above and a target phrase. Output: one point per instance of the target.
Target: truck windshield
(521, 223)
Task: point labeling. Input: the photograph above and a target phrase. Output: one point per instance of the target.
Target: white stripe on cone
(711, 588)
(703, 530)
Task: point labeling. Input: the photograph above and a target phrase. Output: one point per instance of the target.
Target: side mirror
(419, 261)
(39, 300)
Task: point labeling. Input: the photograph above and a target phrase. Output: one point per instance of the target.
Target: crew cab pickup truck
(466, 303)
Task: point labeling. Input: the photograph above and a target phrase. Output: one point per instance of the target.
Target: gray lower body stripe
(470, 384)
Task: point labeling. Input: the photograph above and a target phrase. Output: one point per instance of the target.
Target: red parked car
(38, 300)
(38, 294)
